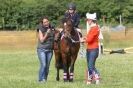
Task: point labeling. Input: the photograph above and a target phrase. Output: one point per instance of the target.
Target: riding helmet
(71, 6)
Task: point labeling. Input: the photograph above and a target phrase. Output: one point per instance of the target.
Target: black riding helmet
(71, 6)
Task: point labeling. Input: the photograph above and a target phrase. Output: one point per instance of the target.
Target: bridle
(69, 29)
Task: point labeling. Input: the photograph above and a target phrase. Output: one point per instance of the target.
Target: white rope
(73, 41)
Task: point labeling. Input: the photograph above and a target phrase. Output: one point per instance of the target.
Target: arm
(77, 20)
(42, 37)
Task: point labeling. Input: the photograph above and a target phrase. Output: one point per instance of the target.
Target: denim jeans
(45, 57)
(92, 55)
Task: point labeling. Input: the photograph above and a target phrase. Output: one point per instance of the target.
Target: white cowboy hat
(91, 16)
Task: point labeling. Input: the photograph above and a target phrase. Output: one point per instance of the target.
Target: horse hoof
(70, 80)
(65, 80)
(57, 79)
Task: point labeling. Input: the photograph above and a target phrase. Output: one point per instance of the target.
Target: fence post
(3, 23)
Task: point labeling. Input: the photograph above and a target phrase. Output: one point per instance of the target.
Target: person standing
(92, 51)
(45, 47)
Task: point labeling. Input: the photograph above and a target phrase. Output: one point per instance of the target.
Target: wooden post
(3, 23)
(103, 20)
(120, 20)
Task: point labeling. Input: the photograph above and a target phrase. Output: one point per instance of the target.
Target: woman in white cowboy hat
(92, 50)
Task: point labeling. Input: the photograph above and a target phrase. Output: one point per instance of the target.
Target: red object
(92, 37)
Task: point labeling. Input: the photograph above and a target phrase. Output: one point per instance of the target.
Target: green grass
(19, 69)
(19, 64)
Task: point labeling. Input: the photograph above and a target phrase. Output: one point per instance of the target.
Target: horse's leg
(73, 59)
(57, 67)
(57, 63)
(71, 73)
(68, 72)
(65, 73)
(57, 77)
(65, 68)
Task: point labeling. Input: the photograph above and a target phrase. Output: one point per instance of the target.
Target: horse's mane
(69, 24)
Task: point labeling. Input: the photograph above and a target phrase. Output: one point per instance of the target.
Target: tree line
(25, 14)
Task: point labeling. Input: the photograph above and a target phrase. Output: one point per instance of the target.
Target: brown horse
(66, 51)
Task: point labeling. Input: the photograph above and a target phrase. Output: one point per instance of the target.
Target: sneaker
(88, 82)
(42, 81)
(97, 81)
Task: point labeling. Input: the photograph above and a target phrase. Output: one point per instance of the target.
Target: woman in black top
(45, 47)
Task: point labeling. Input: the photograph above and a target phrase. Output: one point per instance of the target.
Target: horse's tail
(59, 63)
(58, 58)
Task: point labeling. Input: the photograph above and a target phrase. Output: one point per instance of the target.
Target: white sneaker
(88, 82)
(43, 81)
(97, 81)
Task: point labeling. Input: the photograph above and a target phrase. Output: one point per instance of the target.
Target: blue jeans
(45, 57)
(92, 55)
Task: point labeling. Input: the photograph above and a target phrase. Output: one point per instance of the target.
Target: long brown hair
(40, 23)
(41, 19)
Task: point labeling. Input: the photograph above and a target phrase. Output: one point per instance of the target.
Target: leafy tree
(25, 14)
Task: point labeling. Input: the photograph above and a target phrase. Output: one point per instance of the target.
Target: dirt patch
(17, 39)
(28, 39)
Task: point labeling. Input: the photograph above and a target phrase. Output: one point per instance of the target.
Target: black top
(49, 42)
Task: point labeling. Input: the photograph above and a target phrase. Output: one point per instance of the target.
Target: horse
(66, 51)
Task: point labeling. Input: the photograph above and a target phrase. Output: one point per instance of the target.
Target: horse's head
(68, 27)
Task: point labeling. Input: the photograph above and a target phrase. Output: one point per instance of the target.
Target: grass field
(19, 66)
